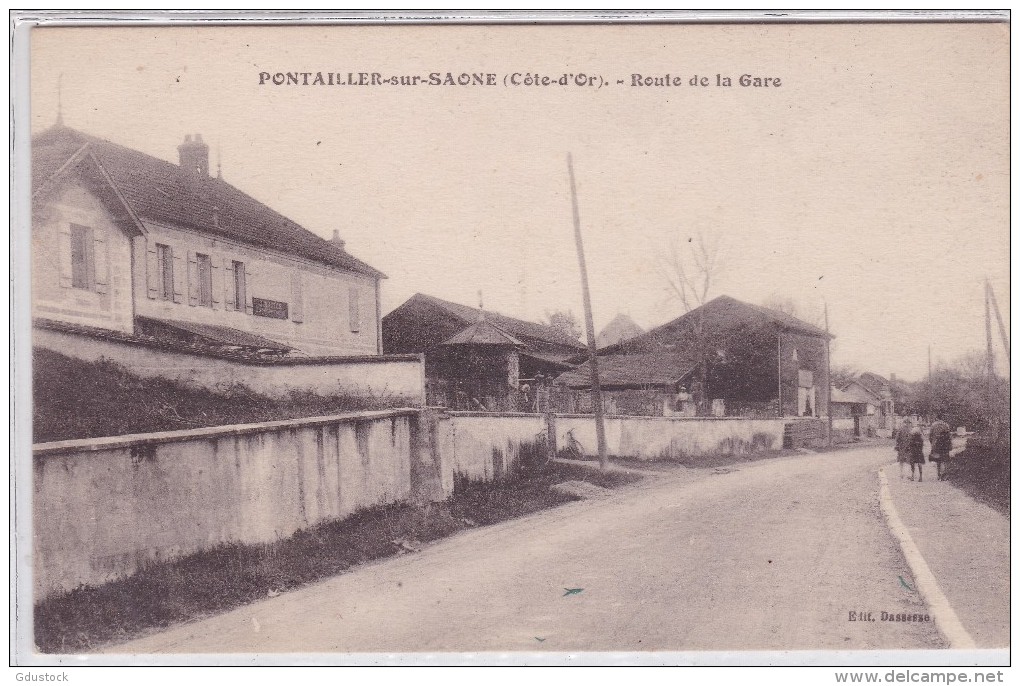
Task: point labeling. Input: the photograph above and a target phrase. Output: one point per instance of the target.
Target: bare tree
(788, 305)
(842, 374)
(691, 266)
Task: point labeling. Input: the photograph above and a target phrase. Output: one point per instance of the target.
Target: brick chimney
(336, 240)
(194, 155)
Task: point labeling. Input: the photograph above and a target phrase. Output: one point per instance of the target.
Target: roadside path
(966, 546)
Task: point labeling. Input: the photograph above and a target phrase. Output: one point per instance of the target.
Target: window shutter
(153, 275)
(101, 262)
(297, 309)
(178, 276)
(249, 307)
(355, 309)
(65, 256)
(228, 282)
(193, 287)
(214, 281)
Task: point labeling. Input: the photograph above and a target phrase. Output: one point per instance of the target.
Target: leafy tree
(566, 321)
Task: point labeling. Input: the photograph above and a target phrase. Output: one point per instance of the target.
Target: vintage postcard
(663, 342)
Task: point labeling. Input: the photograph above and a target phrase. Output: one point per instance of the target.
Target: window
(165, 262)
(240, 296)
(83, 268)
(204, 263)
(355, 310)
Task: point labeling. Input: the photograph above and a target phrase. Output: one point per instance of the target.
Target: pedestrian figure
(916, 453)
(941, 445)
(903, 446)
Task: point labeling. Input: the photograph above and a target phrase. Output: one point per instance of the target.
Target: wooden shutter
(193, 276)
(228, 283)
(297, 308)
(101, 262)
(153, 275)
(355, 309)
(65, 256)
(215, 280)
(178, 275)
(249, 307)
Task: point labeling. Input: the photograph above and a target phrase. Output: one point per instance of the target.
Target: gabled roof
(620, 329)
(483, 332)
(874, 383)
(515, 327)
(861, 393)
(159, 190)
(631, 371)
(841, 396)
(719, 315)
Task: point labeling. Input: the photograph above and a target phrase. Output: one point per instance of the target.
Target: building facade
(125, 241)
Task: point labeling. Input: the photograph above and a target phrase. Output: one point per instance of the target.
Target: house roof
(840, 396)
(515, 327)
(217, 335)
(873, 382)
(720, 314)
(162, 191)
(620, 329)
(631, 371)
(861, 393)
(484, 333)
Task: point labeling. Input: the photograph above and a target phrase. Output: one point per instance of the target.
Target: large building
(127, 242)
(725, 357)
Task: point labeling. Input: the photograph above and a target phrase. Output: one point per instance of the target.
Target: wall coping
(693, 419)
(168, 346)
(81, 445)
(494, 415)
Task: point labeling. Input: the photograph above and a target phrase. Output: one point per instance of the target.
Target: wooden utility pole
(998, 318)
(990, 355)
(596, 388)
(828, 373)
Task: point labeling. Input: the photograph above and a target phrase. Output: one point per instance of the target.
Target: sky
(874, 179)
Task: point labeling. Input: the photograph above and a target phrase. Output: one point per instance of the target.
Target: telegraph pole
(596, 388)
(828, 373)
(998, 318)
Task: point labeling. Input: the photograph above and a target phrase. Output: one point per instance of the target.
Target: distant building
(477, 353)
(126, 242)
(875, 393)
(622, 328)
(730, 357)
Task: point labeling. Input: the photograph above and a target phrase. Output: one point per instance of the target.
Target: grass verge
(983, 472)
(77, 399)
(228, 576)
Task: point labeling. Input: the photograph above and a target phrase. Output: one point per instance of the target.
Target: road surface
(769, 555)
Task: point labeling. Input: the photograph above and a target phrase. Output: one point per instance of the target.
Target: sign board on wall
(269, 308)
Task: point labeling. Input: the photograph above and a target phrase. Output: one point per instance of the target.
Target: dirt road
(772, 555)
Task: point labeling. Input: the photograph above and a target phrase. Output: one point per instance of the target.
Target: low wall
(397, 377)
(489, 447)
(103, 508)
(672, 438)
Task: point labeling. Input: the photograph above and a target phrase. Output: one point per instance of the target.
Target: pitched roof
(515, 327)
(483, 332)
(719, 314)
(631, 371)
(213, 334)
(620, 329)
(841, 396)
(159, 190)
